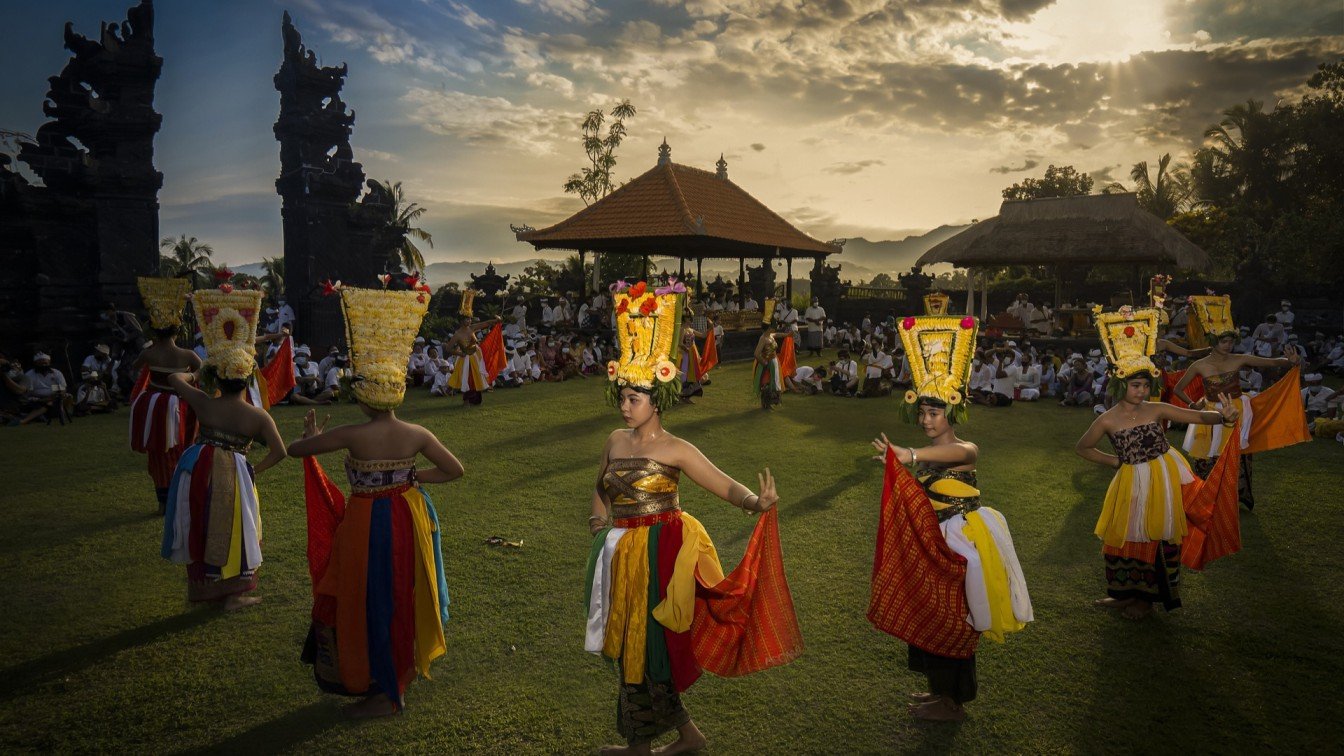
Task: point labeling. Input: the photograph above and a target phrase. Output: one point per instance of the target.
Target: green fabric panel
(594, 554)
(657, 662)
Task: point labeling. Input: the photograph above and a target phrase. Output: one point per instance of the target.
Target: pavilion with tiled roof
(682, 212)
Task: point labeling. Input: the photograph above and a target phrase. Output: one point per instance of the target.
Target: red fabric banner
(788, 362)
(325, 506)
(141, 383)
(492, 352)
(709, 356)
(747, 623)
(278, 374)
(1211, 510)
(1195, 390)
(919, 583)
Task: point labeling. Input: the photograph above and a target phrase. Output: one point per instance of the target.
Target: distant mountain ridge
(860, 261)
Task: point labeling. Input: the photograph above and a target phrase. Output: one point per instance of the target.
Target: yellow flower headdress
(228, 321)
(648, 329)
(935, 303)
(380, 328)
(1129, 337)
(1208, 319)
(165, 299)
(939, 348)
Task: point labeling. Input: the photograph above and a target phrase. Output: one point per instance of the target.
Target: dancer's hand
(310, 426)
(1228, 409)
(768, 497)
(1292, 355)
(881, 443)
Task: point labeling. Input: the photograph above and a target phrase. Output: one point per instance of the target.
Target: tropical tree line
(1263, 194)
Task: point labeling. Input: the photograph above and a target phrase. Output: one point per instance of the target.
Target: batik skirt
(162, 426)
(212, 523)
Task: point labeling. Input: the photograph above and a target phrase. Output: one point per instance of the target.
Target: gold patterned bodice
(369, 476)
(233, 442)
(1224, 383)
(769, 351)
(951, 492)
(639, 486)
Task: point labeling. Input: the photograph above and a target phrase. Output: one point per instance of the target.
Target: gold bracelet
(913, 459)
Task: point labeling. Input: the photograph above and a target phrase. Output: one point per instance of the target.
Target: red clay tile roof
(681, 211)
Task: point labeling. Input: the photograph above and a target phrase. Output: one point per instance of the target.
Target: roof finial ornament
(722, 167)
(664, 153)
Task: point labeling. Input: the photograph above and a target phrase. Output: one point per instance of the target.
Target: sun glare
(1073, 31)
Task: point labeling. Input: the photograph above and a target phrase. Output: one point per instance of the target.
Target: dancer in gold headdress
(658, 602)
(1272, 420)
(945, 571)
(161, 425)
(379, 594)
(213, 522)
(1154, 498)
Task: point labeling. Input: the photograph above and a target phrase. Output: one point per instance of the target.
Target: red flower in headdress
(648, 306)
(223, 274)
(226, 288)
(623, 306)
(329, 288)
(638, 290)
(411, 280)
(420, 298)
(385, 279)
(1129, 330)
(908, 323)
(968, 322)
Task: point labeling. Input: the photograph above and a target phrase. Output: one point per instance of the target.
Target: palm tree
(273, 276)
(398, 227)
(1245, 157)
(186, 257)
(1166, 194)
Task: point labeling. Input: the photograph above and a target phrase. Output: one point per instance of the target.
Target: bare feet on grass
(1137, 610)
(689, 740)
(923, 697)
(942, 709)
(1112, 603)
(234, 603)
(641, 749)
(377, 705)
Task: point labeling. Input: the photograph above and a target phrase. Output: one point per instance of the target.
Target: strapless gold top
(638, 486)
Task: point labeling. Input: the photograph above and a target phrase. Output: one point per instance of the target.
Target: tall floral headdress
(648, 330)
(165, 299)
(939, 348)
(1210, 318)
(228, 322)
(1129, 337)
(380, 328)
(935, 303)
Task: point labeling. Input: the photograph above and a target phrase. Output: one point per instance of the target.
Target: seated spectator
(878, 372)
(1006, 377)
(438, 382)
(1316, 397)
(1076, 389)
(1251, 380)
(99, 362)
(750, 305)
(47, 388)
(14, 407)
(309, 387)
(92, 398)
(1029, 384)
(982, 379)
(844, 375)
(339, 369)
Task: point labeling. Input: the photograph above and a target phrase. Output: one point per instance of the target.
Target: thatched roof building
(1092, 229)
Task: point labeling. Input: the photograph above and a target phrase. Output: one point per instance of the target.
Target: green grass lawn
(102, 652)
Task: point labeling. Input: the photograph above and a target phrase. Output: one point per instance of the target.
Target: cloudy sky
(849, 117)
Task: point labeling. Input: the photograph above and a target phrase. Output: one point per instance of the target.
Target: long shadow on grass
(21, 679)
(283, 733)
(1074, 535)
(864, 470)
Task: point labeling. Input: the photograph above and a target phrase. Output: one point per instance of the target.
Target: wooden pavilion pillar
(681, 269)
(699, 278)
(645, 275)
(741, 279)
(970, 291)
(788, 278)
(984, 295)
(583, 277)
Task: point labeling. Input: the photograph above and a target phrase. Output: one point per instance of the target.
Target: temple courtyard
(101, 647)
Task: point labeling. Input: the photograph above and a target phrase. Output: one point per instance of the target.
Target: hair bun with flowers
(939, 348)
(648, 330)
(380, 329)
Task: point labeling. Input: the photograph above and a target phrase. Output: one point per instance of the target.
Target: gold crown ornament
(939, 348)
(380, 329)
(468, 301)
(768, 311)
(935, 303)
(1157, 297)
(1129, 337)
(1209, 318)
(228, 322)
(165, 300)
(648, 330)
